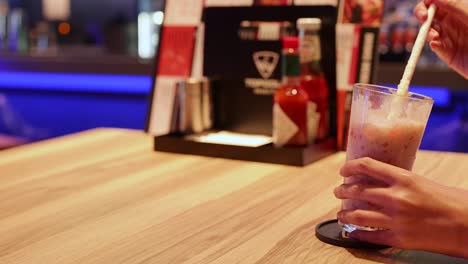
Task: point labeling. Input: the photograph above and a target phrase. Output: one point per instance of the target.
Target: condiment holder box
(243, 63)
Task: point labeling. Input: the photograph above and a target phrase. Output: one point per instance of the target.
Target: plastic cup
(383, 132)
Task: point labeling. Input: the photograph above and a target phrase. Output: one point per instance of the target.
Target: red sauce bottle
(313, 79)
(290, 101)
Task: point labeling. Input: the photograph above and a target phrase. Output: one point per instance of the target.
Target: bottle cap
(291, 63)
(290, 43)
(309, 23)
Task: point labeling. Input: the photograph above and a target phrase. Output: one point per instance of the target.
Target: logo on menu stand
(266, 63)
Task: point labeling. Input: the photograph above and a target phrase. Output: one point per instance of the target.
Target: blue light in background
(134, 84)
(76, 82)
(441, 95)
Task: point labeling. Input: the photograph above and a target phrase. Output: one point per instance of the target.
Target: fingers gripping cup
(386, 127)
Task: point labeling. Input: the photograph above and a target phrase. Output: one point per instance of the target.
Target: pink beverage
(385, 127)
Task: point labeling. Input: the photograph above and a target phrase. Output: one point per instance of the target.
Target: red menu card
(177, 48)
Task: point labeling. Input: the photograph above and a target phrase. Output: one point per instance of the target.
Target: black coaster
(330, 233)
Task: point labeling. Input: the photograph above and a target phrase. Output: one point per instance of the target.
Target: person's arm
(414, 212)
(448, 37)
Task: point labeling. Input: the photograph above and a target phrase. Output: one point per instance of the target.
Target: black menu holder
(243, 98)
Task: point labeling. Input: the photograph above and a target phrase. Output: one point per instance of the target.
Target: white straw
(416, 52)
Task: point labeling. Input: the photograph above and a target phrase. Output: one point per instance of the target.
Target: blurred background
(71, 65)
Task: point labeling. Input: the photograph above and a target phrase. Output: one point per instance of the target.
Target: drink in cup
(386, 127)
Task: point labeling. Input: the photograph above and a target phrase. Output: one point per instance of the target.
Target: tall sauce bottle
(313, 78)
(290, 107)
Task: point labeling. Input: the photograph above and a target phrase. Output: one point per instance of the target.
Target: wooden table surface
(104, 196)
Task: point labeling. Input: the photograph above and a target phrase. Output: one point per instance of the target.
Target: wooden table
(104, 196)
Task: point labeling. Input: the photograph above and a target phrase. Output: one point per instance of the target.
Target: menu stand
(228, 61)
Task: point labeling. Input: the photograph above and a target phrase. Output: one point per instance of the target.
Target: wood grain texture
(104, 196)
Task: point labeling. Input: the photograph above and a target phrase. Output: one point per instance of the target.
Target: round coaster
(330, 233)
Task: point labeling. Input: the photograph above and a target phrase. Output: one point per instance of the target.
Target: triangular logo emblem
(266, 62)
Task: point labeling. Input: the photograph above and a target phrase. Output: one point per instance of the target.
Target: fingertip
(343, 170)
(335, 192)
(435, 45)
(348, 169)
(339, 215)
(338, 192)
(421, 15)
(433, 35)
(360, 165)
(427, 2)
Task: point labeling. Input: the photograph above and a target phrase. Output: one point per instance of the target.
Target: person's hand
(448, 37)
(414, 212)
